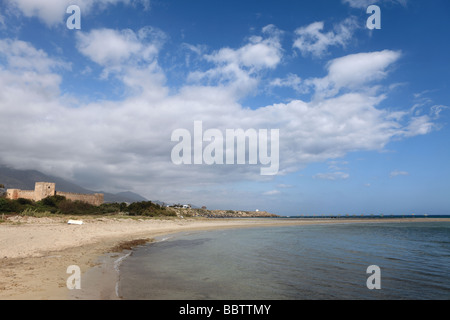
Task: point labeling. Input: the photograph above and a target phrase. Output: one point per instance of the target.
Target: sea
(304, 262)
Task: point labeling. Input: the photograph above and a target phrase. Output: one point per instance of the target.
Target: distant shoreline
(35, 252)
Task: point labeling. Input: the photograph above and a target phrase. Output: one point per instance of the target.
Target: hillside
(26, 179)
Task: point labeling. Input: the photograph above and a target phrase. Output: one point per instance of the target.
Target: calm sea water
(295, 262)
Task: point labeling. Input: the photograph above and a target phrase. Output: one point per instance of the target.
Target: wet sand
(35, 253)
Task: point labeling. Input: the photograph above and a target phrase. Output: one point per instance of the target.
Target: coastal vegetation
(61, 205)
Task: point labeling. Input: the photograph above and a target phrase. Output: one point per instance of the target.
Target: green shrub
(76, 208)
(9, 206)
(109, 208)
(23, 201)
(170, 213)
(123, 207)
(52, 201)
(146, 208)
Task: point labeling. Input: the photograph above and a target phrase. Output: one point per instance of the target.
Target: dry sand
(35, 253)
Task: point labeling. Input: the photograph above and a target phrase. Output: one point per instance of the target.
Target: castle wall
(26, 194)
(15, 194)
(94, 199)
(45, 189)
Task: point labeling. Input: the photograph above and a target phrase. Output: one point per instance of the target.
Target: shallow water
(295, 262)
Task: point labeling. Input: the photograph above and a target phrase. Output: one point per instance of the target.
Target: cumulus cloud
(108, 46)
(112, 47)
(292, 81)
(119, 50)
(52, 12)
(311, 40)
(363, 4)
(237, 68)
(126, 143)
(354, 72)
(21, 55)
(29, 80)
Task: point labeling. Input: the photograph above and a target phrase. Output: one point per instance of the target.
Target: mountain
(131, 195)
(26, 179)
(126, 196)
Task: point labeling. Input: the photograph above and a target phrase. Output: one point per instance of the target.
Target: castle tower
(43, 190)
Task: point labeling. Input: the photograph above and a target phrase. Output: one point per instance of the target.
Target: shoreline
(35, 255)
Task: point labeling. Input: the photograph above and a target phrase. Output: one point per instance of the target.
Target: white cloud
(292, 81)
(21, 55)
(285, 186)
(28, 77)
(130, 56)
(258, 54)
(363, 4)
(354, 72)
(53, 12)
(419, 125)
(436, 110)
(360, 3)
(237, 69)
(272, 193)
(2, 21)
(337, 172)
(332, 176)
(116, 144)
(397, 173)
(311, 40)
(337, 165)
(109, 47)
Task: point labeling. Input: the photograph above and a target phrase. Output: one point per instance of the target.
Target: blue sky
(363, 114)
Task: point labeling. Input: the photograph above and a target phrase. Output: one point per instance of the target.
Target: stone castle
(43, 190)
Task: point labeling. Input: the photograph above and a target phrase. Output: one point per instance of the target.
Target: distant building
(43, 190)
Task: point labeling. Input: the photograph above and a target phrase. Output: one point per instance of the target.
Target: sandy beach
(36, 252)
